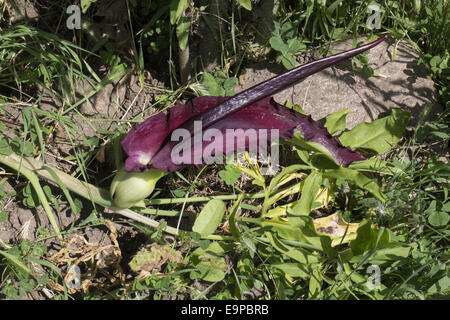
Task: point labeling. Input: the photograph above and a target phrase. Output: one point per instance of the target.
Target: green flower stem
(14, 162)
(97, 195)
(159, 212)
(203, 199)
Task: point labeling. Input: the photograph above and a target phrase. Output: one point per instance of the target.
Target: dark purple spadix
(148, 144)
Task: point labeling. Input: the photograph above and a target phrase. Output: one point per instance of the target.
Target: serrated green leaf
(230, 174)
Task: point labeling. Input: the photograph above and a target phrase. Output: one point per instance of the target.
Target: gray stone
(401, 83)
(18, 12)
(105, 102)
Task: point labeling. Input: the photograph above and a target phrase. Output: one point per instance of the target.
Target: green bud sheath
(130, 188)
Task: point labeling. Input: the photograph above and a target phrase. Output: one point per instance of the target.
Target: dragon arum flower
(150, 149)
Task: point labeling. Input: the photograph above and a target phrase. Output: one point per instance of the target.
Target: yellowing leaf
(153, 258)
(336, 227)
(252, 170)
(323, 197)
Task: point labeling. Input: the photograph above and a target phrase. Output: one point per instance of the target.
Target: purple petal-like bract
(149, 144)
(147, 138)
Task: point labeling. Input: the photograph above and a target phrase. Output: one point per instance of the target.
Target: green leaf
(277, 180)
(288, 61)
(230, 83)
(315, 285)
(296, 270)
(284, 229)
(278, 44)
(295, 107)
(295, 45)
(85, 4)
(359, 179)
(288, 30)
(321, 161)
(336, 121)
(247, 4)
(232, 217)
(376, 165)
(230, 175)
(368, 238)
(212, 269)
(249, 244)
(333, 6)
(3, 216)
(440, 286)
(391, 252)
(17, 262)
(208, 86)
(438, 219)
(45, 263)
(5, 147)
(380, 135)
(300, 143)
(183, 33)
(446, 207)
(298, 254)
(309, 192)
(210, 263)
(177, 8)
(25, 147)
(306, 226)
(209, 218)
(116, 72)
